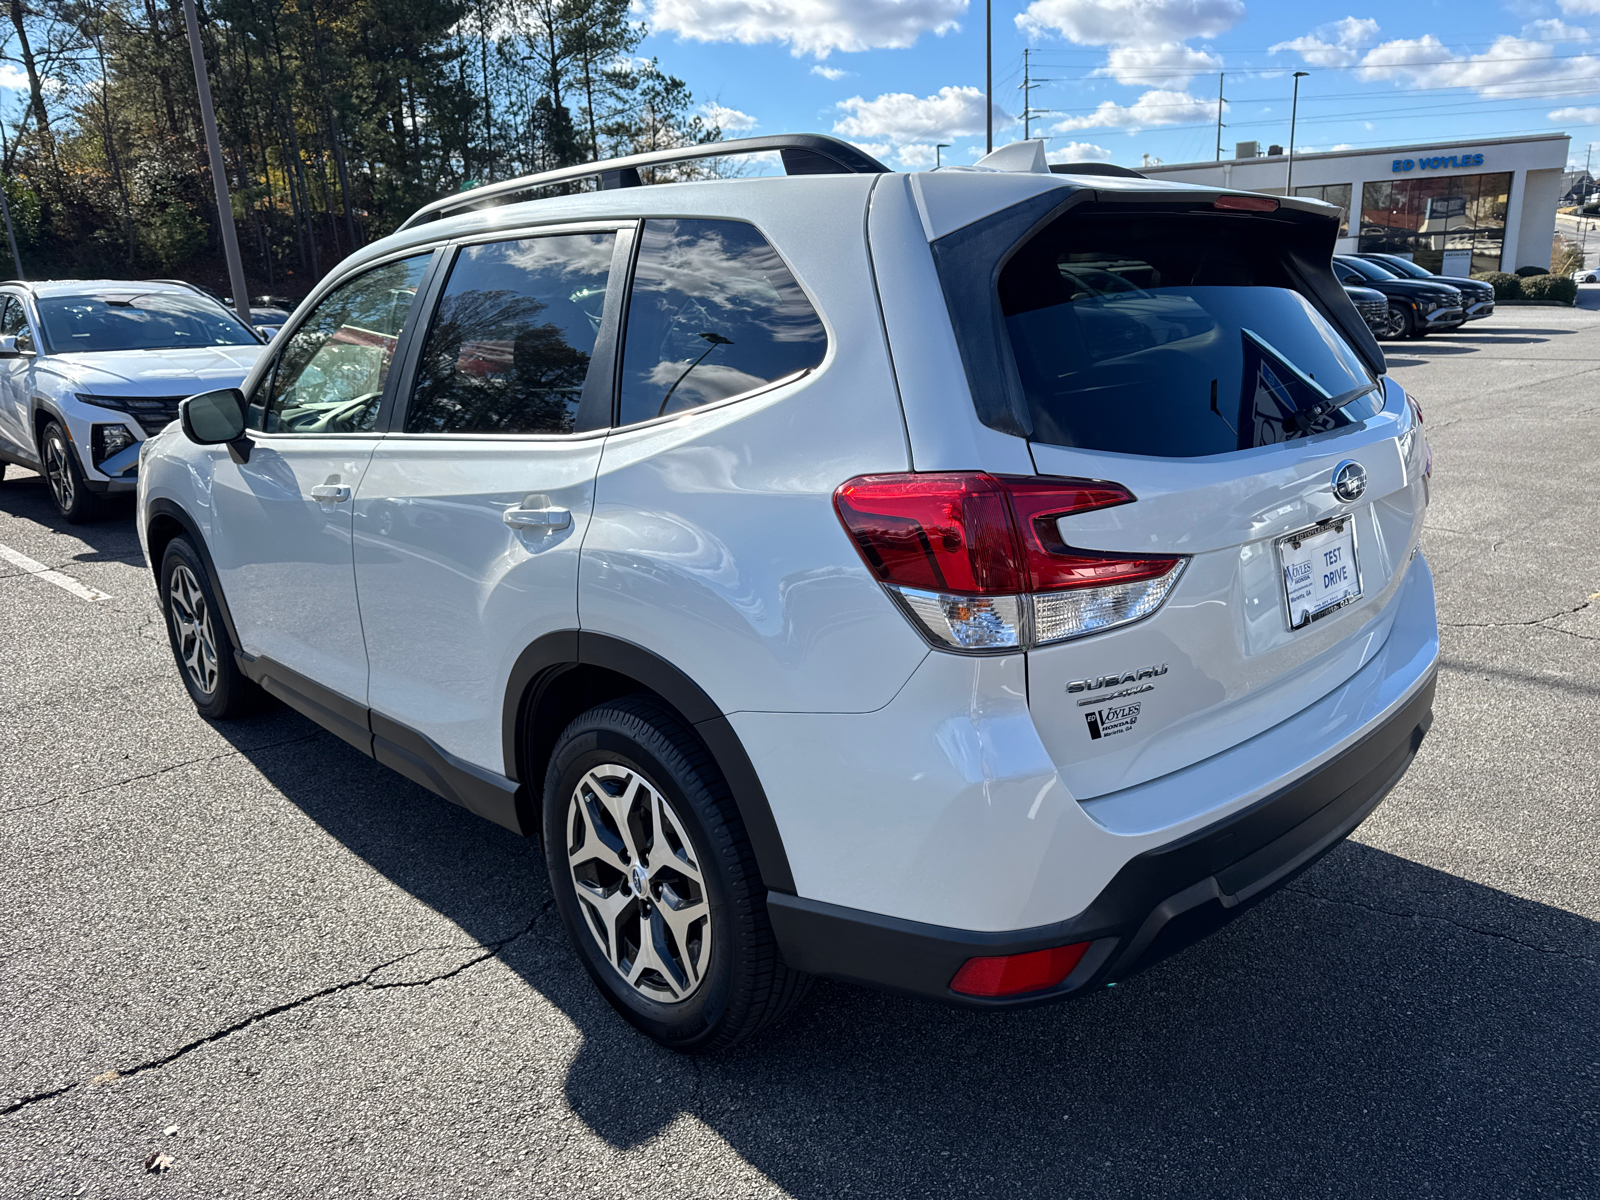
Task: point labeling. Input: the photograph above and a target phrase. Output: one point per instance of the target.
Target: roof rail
(803, 154)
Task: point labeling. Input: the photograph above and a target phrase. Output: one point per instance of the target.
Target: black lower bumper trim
(1160, 902)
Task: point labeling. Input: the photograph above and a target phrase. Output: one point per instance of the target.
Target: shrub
(1506, 287)
(1528, 272)
(1550, 287)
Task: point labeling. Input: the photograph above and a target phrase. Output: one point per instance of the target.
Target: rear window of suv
(1174, 335)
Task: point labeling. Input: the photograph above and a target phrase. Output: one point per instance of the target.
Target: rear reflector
(1245, 204)
(977, 560)
(1017, 974)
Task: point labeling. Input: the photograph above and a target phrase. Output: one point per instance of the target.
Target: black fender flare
(541, 665)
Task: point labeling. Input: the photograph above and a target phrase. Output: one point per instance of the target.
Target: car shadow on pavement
(111, 537)
(1377, 1028)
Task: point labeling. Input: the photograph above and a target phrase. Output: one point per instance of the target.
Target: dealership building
(1454, 207)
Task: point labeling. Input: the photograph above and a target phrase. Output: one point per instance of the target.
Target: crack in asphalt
(490, 950)
(1416, 916)
(1538, 622)
(189, 762)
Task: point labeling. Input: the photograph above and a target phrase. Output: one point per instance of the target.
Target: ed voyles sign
(1435, 162)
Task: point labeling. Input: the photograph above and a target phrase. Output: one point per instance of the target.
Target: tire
(710, 976)
(199, 638)
(61, 470)
(1401, 323)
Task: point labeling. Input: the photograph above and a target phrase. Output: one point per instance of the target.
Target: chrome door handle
(545, 520)
(330, 493)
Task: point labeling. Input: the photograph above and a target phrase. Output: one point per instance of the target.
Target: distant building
(1454, 208)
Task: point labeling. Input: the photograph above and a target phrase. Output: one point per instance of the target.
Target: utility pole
(1221, 75)
(219, 177)
(938, 160)
(1027, 96)
(988, 76)
(1294, 109)
(5, 207)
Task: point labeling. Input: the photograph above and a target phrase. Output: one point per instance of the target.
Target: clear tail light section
(977, 561)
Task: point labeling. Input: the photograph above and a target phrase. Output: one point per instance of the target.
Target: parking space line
(39, 570)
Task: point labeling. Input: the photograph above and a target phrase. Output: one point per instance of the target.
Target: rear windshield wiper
(1305, 418)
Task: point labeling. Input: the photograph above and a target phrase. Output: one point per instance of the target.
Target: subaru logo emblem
(1349, 481)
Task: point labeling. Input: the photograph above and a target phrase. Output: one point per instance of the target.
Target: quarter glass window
(512, 342)
(713, 313)
(330, 376)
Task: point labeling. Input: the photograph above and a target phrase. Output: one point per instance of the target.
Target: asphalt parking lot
(298, 974)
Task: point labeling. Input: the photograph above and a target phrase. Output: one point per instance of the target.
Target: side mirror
(8, 347)
(212, 418)
(1357, 280)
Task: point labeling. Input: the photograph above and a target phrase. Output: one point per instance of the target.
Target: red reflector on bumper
(1014, 974)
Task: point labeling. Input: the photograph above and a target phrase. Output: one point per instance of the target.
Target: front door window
(331, 374)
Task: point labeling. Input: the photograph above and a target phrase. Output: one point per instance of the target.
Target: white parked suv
(977, 583)
(90, 368)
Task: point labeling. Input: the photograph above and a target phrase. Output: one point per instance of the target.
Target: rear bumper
(1160, 902)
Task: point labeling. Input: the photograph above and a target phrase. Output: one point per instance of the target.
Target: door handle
(330, 493)
(545, 520)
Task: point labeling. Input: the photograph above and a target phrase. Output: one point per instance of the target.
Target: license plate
(1320, 573)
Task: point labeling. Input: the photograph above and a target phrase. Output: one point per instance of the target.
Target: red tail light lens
(941, 532)
(1053, 565)
(1018, 974)
(1245, 204)
(977, 560)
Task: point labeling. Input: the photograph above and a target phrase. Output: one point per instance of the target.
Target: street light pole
(988, 76)
(1294, 110)
(219, 177)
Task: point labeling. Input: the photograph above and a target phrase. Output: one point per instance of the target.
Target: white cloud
(1336, 147)
(1170, 64)
(1131, 22)
(1583, 7)
(816, 27)
(1152, 108)
(12, 76)
(731, 120)
(1576, 116)
(917, 156)
(1553, 30)
(1077, 152)
(1510, 67)
(901, 119)
(832, 73)
(1336, 44)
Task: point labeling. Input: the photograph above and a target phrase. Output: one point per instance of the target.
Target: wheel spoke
(607, 905)
(598, 841)
(681, 916)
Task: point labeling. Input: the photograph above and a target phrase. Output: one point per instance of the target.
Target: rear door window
(1174, 335)
(713, 313)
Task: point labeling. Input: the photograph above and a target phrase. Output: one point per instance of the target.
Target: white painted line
(65, 582)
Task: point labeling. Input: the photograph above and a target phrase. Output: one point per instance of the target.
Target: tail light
(1018, 974)
(978, 562)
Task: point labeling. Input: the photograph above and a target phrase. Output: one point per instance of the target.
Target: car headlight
(107, 440)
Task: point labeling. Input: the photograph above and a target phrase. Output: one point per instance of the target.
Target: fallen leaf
(105, 1078)
(158, 1162)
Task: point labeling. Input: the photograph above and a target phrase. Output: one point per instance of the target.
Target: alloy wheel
(638, 883)
(191, 620)
(58, 470)
(1395, 326)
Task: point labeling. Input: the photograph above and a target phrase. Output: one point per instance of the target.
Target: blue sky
(1126, 78)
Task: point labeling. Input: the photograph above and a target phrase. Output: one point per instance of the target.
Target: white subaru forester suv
(978, 583)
